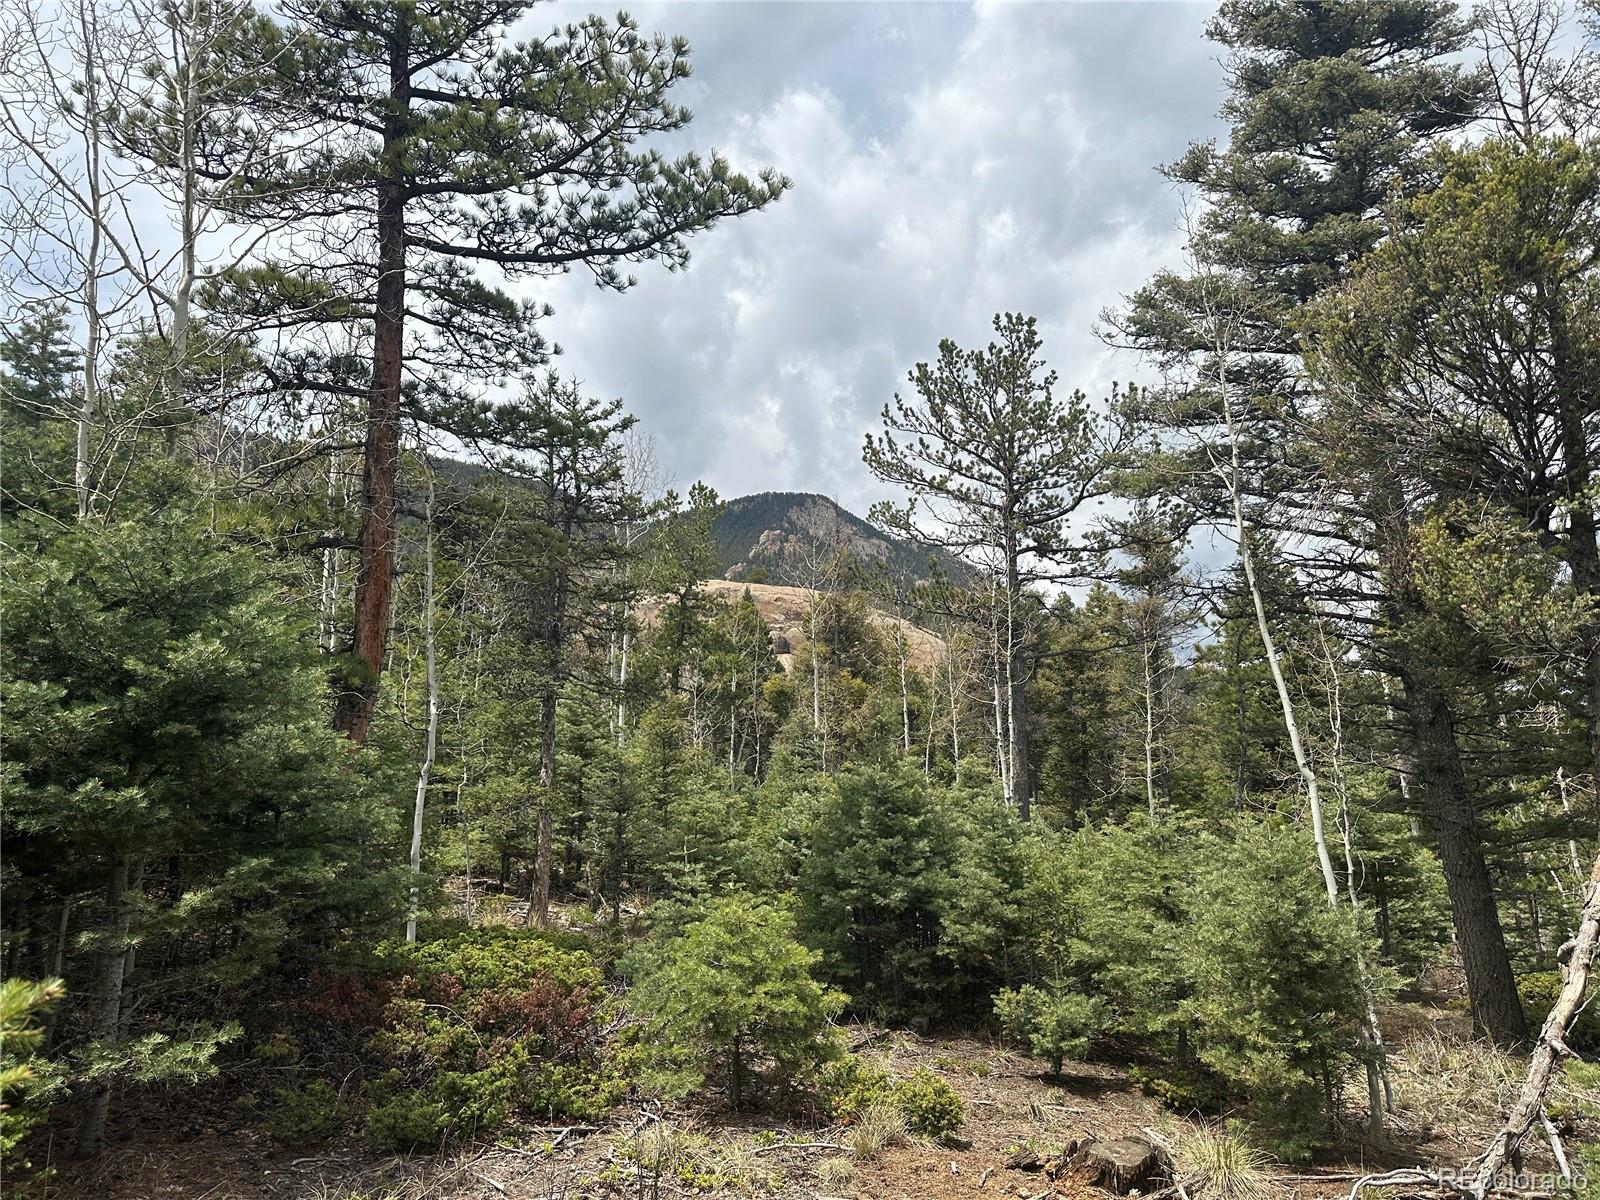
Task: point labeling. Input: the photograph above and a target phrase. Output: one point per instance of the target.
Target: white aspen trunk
(1572, 842)
(1149, 737)
(955, 718)
(1000, 761)
(733, 724)
(188, 219)
(622, 683)
(816, 681)
(1000, 678)
(88, 402)
(905, 695)
(1371, 1034)
(432, 739)
(328, 597)
(1302, 761)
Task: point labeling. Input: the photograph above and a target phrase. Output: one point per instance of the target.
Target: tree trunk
(622, 682)
(1149, 735)
(105, 1019)
(381, 456)
(1447, 800)
(539, 898)
(1017, 711)
(431, 744)
(905, 694)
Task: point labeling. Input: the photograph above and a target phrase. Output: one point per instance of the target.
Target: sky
(949, 161)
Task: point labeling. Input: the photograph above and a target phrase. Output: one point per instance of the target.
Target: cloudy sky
(949, 161)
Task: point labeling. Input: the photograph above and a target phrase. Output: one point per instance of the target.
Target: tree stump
(1121, 1164)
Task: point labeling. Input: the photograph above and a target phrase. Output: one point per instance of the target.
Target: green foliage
(483, 1025)
(1107, 906)
(37, 404)
(854, 1089)
(1539, 990)
(929, 1104)
(1276, 994)
(1052, 1024)
(172, 778)
(909, 893)
(851, 1084)
(406, 1122)
(726, 993)
(1182, 1084)
(27, 1084)
(306, 1116)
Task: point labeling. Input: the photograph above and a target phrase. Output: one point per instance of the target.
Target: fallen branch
(1552, 1044)
(797, 1146)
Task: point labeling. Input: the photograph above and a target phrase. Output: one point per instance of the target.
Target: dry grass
(835, 1172)
(1215, 1162)
(1456, 1085)
(1462, 1087)
(876, 1130)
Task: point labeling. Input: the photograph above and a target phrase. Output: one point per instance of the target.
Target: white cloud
(946, 166)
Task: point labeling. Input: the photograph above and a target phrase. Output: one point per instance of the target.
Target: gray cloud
(948, 162)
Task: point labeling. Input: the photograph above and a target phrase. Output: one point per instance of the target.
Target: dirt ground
(1009, 1100)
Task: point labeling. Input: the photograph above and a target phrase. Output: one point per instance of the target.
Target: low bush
(852, 1088)
(929, 1104)
(406, 1122)
(851, 1085)
(1187, 1087)
(305, 1116)
(1055, 1025)
(482, 1025)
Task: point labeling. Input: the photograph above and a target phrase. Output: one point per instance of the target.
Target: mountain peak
(785, 537)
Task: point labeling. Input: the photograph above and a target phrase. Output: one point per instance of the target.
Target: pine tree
(37, 405)
(1330, 108)
(176, 805)
(995, 464)
(561, 542)
(446, 150)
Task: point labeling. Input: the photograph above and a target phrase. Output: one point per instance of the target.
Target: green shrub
(929, 1104)
(306, 1115)
(279, 1048)
(727, 993)
(486, 1024)
(1539, 990)
(908, 890)
(851, 1085)
(407, 1122)
(1186, 1087)
(29, 1084)
(1054, 1025)
(1276, 995)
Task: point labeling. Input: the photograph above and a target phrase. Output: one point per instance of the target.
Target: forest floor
(1010, 1103)
(1450, 1098)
